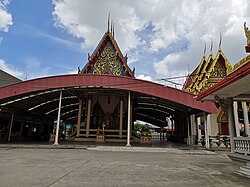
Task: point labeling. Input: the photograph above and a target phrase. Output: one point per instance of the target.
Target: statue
(247, 33)
(103, 126)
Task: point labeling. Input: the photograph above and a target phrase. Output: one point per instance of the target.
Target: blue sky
(34, 45)
(163, 38)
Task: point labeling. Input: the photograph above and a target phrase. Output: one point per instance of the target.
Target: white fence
(242, 145)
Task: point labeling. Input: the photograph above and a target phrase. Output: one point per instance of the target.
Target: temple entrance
(223, 123)
(103, 114)
(224, 128)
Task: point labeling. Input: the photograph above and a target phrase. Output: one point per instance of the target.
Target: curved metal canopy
(42, 95)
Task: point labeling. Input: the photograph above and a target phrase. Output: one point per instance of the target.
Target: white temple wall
(214, 125)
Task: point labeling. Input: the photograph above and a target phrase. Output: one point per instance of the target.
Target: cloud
(144, 77)
(6, 18)
(74, 71)
(35, 68)
(85, 20)
(10, 69)
(175, 30)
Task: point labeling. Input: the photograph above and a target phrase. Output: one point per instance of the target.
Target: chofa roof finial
(108, 20)
(113, 29)
(205, 48)
(211, 48)
(220, 41)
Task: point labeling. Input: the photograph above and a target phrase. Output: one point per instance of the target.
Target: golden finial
(247, 33)
(211, 48)
(205, 48)
(108, 20)
(220, 41)
(111, 27)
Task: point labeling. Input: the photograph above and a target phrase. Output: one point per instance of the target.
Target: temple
(209, 72)
(99, 104)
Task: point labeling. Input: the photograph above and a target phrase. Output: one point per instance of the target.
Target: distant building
(6, 78)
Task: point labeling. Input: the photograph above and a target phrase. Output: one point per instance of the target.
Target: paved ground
(116, 166)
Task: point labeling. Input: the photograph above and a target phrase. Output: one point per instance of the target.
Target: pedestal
(100, 138)
(146, 139)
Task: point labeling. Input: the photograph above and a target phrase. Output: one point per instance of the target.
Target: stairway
(244, 171)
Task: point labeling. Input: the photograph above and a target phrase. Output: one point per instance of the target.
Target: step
(242, 173)
(245, 169)
(248, 164)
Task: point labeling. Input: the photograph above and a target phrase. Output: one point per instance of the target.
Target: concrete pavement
(114, 166)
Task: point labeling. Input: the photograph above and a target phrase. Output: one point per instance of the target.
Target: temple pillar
(199, 127)
(79, 117)
(121, 118)
(209, 130)
(10, 125)
(58, 119)
(88, 117)
(188, 118)
(246, 120)
(236, 119)
(129, 118)
(206, 131)
(21, 129)
(193, 130)
(231, 124)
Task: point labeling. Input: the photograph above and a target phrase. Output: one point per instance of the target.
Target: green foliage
(141, 127)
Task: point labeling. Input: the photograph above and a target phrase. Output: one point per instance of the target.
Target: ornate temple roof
(107, 58)
(208, 73)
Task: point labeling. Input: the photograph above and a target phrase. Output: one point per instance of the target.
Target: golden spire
(111, 27)
(108, 20)
(220, 41)
(205, 48)
(211, 48)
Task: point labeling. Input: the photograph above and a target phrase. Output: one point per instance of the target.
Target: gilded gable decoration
(107, 57)
(209, 72)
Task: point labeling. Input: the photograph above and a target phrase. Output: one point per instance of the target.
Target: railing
(108, 133)
(216, 140)
(242, 145)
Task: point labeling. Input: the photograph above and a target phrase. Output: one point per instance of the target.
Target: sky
(163, 38)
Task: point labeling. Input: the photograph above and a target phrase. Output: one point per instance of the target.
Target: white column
(88, 118)
(189, 130)
(79, 117)
(192, 129)
(121, 118)
(58, 119)
(236, 119)
(128, 128)
(231, 122)
(131, 119)
(209, 125)
(246, 120)
(11, 124)
(199, 125)
(206, 132)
